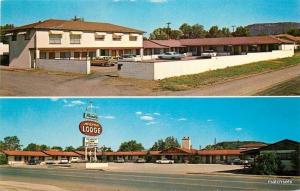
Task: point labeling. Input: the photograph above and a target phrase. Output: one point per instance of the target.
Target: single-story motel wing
(70, 45)
(284, 149)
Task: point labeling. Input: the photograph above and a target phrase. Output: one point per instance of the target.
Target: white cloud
(158, 1)
(73, 103)
(209, 120)
(156, 114)
(238, 129)
(147, 118)
(151, 123)
(138, 113)
(107, 117)
(182, 119)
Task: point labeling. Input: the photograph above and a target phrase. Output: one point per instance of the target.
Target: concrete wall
(96, 165)
(73, 66)
(88, 40)
(19, 54)
(161, 70)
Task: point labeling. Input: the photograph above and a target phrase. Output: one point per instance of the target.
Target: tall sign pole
(91, 129)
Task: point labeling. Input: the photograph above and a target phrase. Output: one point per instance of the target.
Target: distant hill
(271, 28)
(231, 144)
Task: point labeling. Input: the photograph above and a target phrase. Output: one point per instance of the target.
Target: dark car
(33, 162)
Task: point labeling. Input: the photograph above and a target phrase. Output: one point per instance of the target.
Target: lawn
(222, 75)
(288, 88)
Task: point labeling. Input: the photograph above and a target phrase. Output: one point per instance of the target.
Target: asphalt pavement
(71, 179)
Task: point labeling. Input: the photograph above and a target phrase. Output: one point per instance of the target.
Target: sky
(147, 15)
(55, 121)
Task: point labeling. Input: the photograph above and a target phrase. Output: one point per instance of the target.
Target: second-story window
(133, 38)
(117, 37)
(100, 37)
(75, 38)
(27, 35)
(55, 38)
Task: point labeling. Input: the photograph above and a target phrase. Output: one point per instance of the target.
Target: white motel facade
(69, 45)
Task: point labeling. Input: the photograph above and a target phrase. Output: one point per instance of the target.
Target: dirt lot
(105, 82)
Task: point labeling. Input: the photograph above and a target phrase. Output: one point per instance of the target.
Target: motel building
(43, 41)
(183, 154)
(69, 45)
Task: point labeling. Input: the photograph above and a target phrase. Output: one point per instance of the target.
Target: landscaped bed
(222, 75)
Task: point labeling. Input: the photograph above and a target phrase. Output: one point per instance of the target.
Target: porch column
(72, 55)
(37, 53)
(267, 48)
(141, 52)
(109, 52)
(97, 53)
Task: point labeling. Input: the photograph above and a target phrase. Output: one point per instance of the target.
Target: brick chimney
(186, 143)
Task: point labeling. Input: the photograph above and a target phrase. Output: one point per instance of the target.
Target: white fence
(161, 70)
(72, 66)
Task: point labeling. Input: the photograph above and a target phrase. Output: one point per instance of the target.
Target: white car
(171, 56)
(165, 161)
(64, 161)
(208, 54)
(130, 58)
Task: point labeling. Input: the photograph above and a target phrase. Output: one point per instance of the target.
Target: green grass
(221, 75)
(288, 88)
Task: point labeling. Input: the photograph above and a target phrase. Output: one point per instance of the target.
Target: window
(100, 37)
(75, 38)
(55, 38)
(117, 37)
(133, 38)
(104, 52)
(92, 54)
(18, 158)
(43, 55)
(83, 54)
(51, 55)
(65, 55)
(76, 55)
(27, 35)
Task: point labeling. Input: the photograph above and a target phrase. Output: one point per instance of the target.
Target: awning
(76, 32)
(118, 34)
(56, 32)
(134, 34)
(20, 33)
(100, 33)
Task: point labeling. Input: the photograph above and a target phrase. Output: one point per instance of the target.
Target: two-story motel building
(70, 39)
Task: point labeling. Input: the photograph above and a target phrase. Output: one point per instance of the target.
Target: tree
(1, 145)
(296, 162)
(165, 144)
(57, 148)
(267, 164)
(106, 149)
(186, 30)
(198, 31)
(5, 29)
(294, 32)
(11, 143)
(225, 32)
(70, 149)
(214, 32)
(159, 34)
(44, 147)
(3, 159)
(175, 34)
(131, 146)
(32, 147)
(241, 31)
(80, 148)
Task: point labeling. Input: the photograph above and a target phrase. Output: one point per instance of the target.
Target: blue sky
(55, 121)
(150, 14)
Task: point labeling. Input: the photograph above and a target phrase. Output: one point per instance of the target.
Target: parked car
(165, 161)
(129, 57)
(208, 54)
(120, 160)
(171, 56)
(75, 159)
(33, 162)
(50, 161)
(236, 161)
(140, 160)
(64, 161)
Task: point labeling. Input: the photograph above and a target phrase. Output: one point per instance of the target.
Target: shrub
(3, 159)
(267, 164)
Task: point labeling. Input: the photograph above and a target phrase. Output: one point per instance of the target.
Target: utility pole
(233, 28)
(169, 30)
